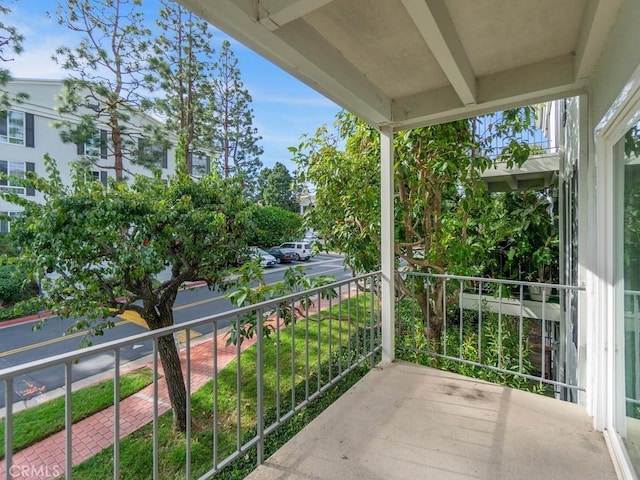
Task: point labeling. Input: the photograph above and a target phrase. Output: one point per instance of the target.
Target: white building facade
(28, 133)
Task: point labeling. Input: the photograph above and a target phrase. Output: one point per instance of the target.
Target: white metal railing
(632, 347)
(493, 145)
(488, 324)
(346, 335)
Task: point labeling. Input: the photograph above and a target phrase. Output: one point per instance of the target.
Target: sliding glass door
(627, 165)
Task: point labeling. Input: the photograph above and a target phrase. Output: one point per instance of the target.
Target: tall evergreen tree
(106, 78)
(276, 187)
(10, 44)
(183, 72)
(236, 139)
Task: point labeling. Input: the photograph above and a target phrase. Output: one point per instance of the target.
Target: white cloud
(42, 36)
(296, 101)
(36, 63)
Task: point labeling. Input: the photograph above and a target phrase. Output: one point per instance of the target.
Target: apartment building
(28, 133)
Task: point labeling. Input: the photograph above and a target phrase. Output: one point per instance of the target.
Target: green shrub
(8, 246)
(14, 286)
(29, 306)
(269, 226)
(499, 346)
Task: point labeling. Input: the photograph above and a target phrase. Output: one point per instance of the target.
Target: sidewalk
(46, 459)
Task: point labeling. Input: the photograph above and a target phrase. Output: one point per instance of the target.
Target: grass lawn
(37, 423)
(285, 366)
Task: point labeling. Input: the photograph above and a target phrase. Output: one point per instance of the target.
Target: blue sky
(284, 108)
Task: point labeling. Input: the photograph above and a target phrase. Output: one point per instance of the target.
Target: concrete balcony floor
(405, 421)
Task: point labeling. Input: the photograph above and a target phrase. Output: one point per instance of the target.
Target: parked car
(302, 250)
(266, 259)
(283, 255)
(313, 239)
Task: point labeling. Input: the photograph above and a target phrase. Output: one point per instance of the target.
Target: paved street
(19, 343)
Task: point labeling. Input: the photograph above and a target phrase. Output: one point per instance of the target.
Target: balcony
(401, 420)
(408, 421)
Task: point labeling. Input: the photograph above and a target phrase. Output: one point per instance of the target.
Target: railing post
(260, 387)
(68, 420)
(116, 414)
(156, 409)
(8, 427)
(387, 244)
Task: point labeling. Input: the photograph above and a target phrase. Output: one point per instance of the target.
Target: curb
(48, 314)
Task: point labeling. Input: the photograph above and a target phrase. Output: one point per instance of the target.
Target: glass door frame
(608, 387)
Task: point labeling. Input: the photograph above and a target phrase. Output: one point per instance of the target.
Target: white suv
(301, 250)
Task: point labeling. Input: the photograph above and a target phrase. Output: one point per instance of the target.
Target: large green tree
(10, 44)
(99, 251)
(183, 70)
(439, 198)
(106, 83)
(235, 138)
(275, 187)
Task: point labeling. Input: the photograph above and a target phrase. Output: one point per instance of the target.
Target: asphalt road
(19, 343)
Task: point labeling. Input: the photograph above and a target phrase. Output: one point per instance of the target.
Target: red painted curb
(29, 318)
(45, 314)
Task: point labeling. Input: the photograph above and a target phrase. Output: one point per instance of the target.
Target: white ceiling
(414, 62)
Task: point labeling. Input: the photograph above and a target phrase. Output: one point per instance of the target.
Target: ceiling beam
(332, 74)
(273, 14)
(434, 23)
(547, 80)
(599, 17)
(294, 48)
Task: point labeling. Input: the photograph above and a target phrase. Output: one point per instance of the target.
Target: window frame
(95, 147)
(5, 224)
(203, 161)
(7, 186)
(5, 135)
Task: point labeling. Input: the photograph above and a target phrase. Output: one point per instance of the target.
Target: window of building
(99, 176)
(12, 127)
(151, 153)
(13, 169)
(16, 170)
(5, 222)
(95, 146)
(200, 164)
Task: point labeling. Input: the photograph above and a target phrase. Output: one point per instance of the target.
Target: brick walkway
(46, 459)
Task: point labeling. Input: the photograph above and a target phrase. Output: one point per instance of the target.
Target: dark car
(282, 255)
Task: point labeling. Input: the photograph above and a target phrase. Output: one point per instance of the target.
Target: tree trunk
(170, 359)
(432, 315)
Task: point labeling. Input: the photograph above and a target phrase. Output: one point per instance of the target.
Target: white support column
(387, 247)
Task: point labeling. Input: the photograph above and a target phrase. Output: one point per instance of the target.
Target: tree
(275, 187)
(10, 43)
(347, 197)
(528, 239)
(439, 198)
(272, 226)
(109, 65)
(251, 289)
(235, 138)
(106, 247)
(184, 74)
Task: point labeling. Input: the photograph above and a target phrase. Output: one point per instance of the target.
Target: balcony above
(408, 421)
(539, 171)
